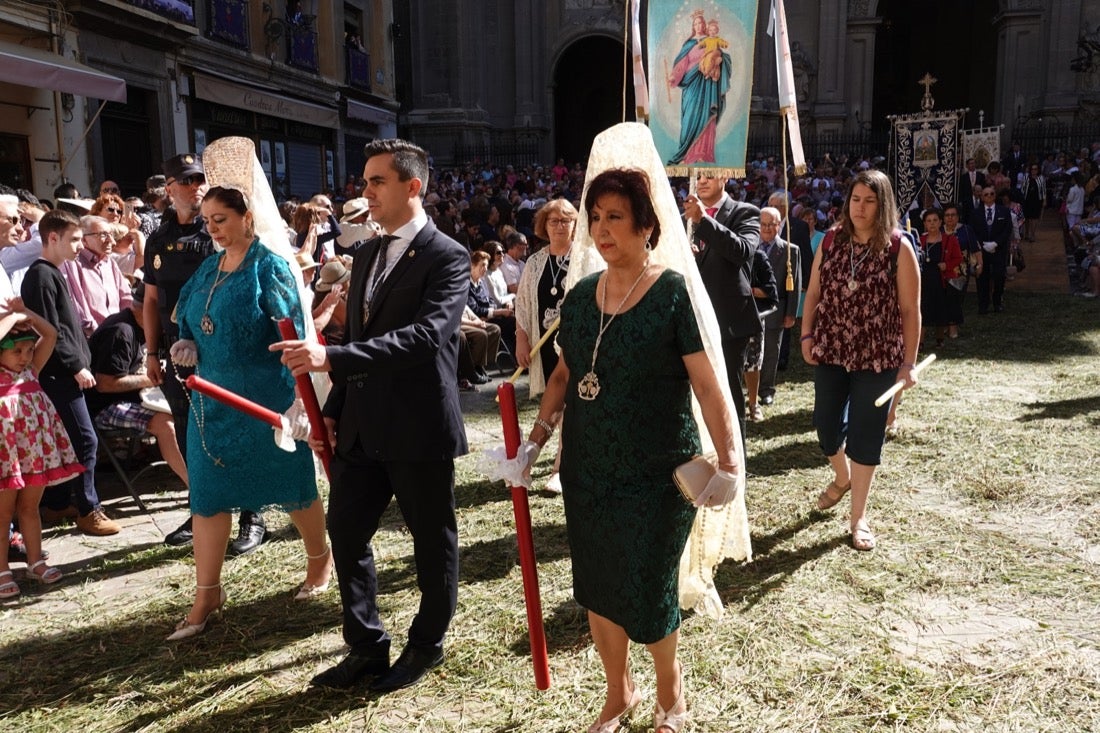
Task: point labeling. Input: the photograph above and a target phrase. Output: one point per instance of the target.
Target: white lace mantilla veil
(232, 162)
(718, 533)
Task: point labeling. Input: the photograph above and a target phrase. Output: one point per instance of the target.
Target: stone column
(1064, 23)
(859, 63)
(1019, 66)
(831, 106)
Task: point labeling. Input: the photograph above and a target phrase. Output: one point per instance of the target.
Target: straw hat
(332, 273)
(354, 208)
(305, 260)
(85, 204)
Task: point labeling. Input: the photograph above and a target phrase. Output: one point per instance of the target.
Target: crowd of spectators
(492, 209)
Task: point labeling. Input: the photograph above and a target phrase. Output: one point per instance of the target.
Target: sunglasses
(193, 180)
(109, 190)
(113, 210)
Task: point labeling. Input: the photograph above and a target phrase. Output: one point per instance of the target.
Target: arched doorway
(588, 95)
(954, 42)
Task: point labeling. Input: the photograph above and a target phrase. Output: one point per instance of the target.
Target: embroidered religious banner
(983, 144)
(925, 147)
(700, 70)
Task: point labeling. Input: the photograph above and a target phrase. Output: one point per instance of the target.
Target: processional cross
(926, 81)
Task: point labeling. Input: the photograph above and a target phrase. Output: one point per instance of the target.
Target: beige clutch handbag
(692, 477)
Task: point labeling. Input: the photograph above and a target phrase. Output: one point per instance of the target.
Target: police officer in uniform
(172, 254)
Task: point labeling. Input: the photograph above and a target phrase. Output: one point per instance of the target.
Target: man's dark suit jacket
(966, 192)
(395, 386)
(787, 304)
(1001, 230)
(797, 232)
(730, 239)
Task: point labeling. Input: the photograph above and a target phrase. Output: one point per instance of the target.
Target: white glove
(184, 353)
(295, 427)
(515, 471)
(989, 246)
(719, 491)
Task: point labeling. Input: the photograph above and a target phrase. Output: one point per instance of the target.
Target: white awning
(36, 67)
(255, 100)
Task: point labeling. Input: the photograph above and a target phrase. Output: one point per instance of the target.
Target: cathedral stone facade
(538, 78)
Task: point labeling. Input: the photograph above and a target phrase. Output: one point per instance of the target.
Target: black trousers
(733, 350)
(992, 282)
(361, 491)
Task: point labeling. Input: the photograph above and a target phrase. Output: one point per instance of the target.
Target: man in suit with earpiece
(725, 236)
(394, 418)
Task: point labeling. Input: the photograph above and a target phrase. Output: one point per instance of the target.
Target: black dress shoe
(767, 399)
(252, 534)
(181, 536)
(408, 669)
(351, 670)
(480, 378)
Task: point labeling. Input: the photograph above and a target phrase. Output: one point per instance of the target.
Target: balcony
(358, 66)
(228, 22)
(301, 49)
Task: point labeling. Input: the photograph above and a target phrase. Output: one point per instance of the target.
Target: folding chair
(132, 440)
(503, 352)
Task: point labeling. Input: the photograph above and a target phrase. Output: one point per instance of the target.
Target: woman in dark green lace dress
(631, 356)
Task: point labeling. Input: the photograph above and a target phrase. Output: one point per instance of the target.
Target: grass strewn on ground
(978, 611)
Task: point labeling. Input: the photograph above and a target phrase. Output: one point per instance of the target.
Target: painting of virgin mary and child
(702, 71)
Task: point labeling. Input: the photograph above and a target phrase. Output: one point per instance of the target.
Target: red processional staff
(305, 391)
(317, 429)
(506, 395)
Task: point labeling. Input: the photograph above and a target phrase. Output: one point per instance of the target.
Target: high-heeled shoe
(612, 725)
(307, 591)
(185, 630)
(674, 719)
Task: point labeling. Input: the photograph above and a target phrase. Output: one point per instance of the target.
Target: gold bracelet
(539, 422)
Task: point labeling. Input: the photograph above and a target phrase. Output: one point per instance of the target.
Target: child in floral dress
(35, 451)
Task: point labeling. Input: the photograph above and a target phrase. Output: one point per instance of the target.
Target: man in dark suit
(970, 187)
(796, 232)
(992, 225)
(726, 233)
(394, 417)
(775, 323)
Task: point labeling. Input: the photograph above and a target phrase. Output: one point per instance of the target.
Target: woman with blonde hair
(539, 298)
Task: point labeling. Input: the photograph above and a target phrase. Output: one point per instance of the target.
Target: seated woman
(483, 339)
(480, 302)
(129, 246)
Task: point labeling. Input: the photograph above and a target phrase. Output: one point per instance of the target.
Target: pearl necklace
(589, 386)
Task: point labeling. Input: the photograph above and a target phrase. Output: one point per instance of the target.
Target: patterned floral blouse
(858, 328)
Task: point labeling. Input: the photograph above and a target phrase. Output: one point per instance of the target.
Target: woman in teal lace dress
(631, 356)
(227, 315)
